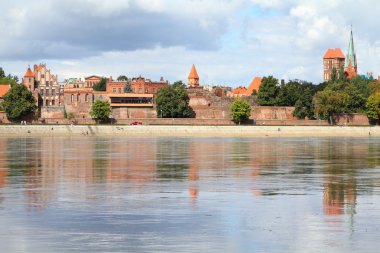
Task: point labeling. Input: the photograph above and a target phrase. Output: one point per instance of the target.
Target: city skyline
(230, 42)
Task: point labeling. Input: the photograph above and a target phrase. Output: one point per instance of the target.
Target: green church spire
(351, 56)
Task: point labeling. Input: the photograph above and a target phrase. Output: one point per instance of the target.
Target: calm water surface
(87, 194)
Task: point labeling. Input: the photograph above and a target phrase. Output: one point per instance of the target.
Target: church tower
(29, 79)
(350, 65)
(193, 79)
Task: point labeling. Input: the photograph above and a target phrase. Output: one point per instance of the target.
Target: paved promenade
(210, 131)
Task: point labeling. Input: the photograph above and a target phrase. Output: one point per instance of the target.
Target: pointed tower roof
(351, 56)
(193, 73)
(29, 73)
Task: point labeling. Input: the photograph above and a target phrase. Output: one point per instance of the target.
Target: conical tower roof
(29, 73)
(193, 73)
(351, 56)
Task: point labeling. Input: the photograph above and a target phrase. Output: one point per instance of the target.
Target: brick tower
(193, 79)
(350, 66)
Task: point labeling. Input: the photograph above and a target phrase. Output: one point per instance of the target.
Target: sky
(230, 42)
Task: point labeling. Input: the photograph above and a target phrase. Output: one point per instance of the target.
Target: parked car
(136, 123)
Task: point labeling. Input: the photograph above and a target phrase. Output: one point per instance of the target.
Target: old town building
(333, 60)
(350, 65)
(253, 89)
(43, 85)
(91, 81)
(193, 78)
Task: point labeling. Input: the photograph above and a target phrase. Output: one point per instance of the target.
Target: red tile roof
(193, 73)
(4, 88)
(29, 73)
(255, 85)
(239, 90)
(333, 54)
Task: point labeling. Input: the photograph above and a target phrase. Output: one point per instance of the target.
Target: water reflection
(150, 184)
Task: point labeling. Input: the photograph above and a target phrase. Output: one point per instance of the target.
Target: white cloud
(229, 41)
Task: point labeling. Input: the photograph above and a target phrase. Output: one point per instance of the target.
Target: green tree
(373, 107)
(173, 102)
(122, 78)
(328, 104)
(268, 91)
(19, 102)
(240, 110)
(101, 110)
(374, 86)
(2, 73)
(334, 73)
(101, 86)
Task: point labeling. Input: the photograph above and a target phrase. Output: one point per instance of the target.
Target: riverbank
(189, 131)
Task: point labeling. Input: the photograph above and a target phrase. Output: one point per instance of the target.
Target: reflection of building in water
(132, 161)
(339, 194)
(339, 198)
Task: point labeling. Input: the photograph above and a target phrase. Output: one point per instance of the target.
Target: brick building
(43, 84)
(252, 88)
(350, 65)
(193, 78)
(332, 60)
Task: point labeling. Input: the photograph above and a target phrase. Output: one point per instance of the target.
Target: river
(170, 194)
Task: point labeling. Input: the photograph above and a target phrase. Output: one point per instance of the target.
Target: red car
(136, 123)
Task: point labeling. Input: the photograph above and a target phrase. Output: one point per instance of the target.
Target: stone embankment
(189, 131)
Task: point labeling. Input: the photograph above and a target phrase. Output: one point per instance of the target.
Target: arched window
(77, 97)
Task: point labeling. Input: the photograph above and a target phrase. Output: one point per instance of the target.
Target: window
(72, 98)
(53, 102)
(119, 90)
(47, 92)
(146, 90)
(53, 92)
(140, 90)
(77, 97)
(154, 90)
(114, 90)
(47, 102)
(86, 97)
(30, 80)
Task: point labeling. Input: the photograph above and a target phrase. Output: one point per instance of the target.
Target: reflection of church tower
(350, 66)
(193, 79)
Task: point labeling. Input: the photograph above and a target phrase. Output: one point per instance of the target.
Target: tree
(101, 86)
(334, 74)
(173, 102)
(19, 102)
(2, 73)
(101, 110)
(373, 107)
(7, 79)
(122, 78)
(240, 110)
(328, 103)
(268, 91)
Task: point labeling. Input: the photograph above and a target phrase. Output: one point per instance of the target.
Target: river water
(90, 194)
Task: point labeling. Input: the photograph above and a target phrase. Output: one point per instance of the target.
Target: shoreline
(189, 131)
